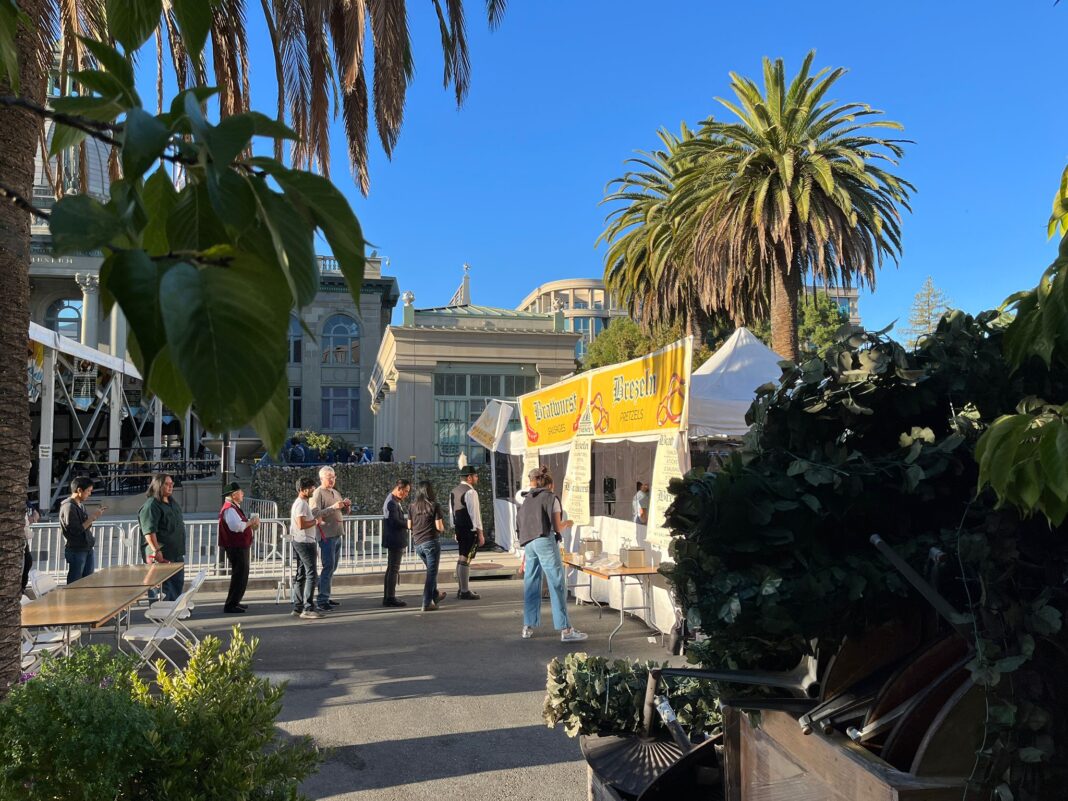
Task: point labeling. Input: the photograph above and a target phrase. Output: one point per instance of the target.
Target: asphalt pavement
(426, 705)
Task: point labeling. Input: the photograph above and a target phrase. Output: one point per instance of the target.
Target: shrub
(592, 695)
(75, 731)
(87, 727)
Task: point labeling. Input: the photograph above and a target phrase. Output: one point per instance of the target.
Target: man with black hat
(467, 521)
(235, 537)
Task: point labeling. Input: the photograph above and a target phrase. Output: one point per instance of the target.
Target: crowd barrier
(119, 542)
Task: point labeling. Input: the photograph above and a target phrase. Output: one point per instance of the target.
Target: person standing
(235, 538)
(467, 522)
(394, 539)
(75, 523)
(385, 453)
(328, 506)
(541, 523)
(426, 521)
(164, 531)
(640, 504)
(303, 531)
(32, 516)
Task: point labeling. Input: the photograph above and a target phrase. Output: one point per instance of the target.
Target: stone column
(90, 286)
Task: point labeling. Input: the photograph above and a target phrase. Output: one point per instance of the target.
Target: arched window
(341, 340)
(296, 340)
(65, 318)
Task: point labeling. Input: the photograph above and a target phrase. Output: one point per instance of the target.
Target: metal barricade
(119, 542)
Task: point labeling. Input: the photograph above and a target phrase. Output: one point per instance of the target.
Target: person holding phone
(75, 522)
(329, 507)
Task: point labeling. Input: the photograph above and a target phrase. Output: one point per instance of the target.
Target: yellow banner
(642, 396)
(551, 415)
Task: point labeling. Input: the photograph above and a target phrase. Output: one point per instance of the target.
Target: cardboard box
(632, 557)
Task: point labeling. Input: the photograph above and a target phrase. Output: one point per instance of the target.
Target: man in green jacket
(164, 531)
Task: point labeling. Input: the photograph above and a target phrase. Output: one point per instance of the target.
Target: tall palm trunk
(785, 291)
(18, 140)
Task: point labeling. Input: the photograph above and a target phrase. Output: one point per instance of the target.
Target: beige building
(587, 307)
(435, 373)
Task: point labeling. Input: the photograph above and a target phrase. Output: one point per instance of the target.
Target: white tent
(723, 388)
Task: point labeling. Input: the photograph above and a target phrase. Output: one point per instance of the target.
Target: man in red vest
(235, 537)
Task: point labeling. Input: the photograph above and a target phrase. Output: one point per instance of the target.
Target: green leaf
(131, 22)
(167, 382)
(193, 223)
(292, 241)
(113, 62)
(227, 330)
(233, 200)
(1053, 451)
(194, 21)
(332, 213)
(1031, 755)
(227, 139)
(106, 85)
(143, 141)
(272, 421)
(262, 125)
(176, 118)
(11, 19)
(101, 109)
(82, 224)
(133, 279)
(159, 197)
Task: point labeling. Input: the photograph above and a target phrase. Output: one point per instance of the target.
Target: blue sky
(566, 90)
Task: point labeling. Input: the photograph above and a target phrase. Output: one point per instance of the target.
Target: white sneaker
(528, 632)
(572, 635)
(312, 614)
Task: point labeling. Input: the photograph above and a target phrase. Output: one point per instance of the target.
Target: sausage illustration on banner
(578, 417)
(532, 435)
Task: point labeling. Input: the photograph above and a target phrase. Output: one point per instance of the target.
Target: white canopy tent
(723, 388)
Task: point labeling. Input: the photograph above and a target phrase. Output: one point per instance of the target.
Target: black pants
(27, 563)
(239, 558)
(393, 573)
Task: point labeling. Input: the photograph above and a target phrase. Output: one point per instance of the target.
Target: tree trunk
(18, 142)
(785, 290)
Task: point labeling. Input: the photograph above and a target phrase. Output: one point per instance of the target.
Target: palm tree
(319, 47)
(649, 261)
(793, 190)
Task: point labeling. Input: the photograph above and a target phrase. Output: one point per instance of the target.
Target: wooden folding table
(640, 575)
(86, 606)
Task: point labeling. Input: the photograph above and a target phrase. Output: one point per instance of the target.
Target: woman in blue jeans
(426, 521)
(541, 523)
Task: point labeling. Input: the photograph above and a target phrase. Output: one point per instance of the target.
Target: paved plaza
(426, 705)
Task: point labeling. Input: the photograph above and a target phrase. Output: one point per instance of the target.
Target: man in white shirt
(467, 522)
(640, 504)
(304, 532)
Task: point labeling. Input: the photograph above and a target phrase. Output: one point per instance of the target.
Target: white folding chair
(158, 612)
(59, 637)
(153, 635)
(42, 583)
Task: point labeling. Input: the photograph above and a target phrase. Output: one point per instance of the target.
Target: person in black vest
(235, 537)
(394, 539)
(541, 522)
(467, 522)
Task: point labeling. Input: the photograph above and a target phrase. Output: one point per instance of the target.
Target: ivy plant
(772, 555)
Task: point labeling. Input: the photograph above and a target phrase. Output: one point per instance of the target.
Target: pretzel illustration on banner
(578, 417)
(599, 414)
(664, 412)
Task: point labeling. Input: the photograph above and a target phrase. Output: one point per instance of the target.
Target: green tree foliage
(624, 339)
(928, 306)
(794, 188)
(819, 324)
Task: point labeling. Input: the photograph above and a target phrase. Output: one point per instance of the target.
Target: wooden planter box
(774, 761)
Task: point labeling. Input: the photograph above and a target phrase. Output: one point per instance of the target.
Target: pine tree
(928, 307)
